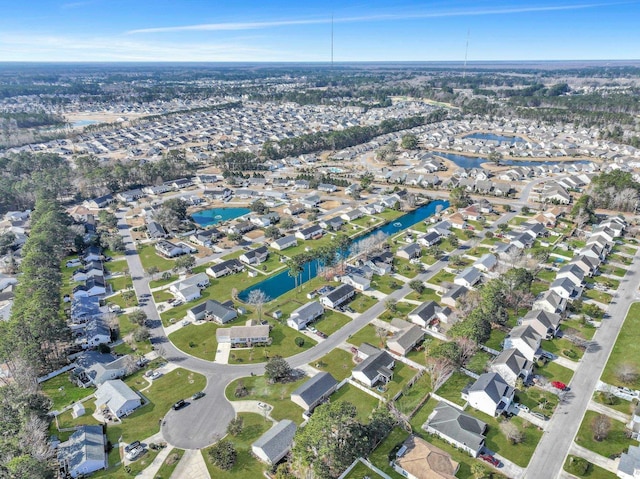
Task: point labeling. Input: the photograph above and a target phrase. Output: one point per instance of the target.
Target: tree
(627, 373)
(235, 426)
(478, 470)
(409, 142)
(259, 207)
(152, 271)
(272, 232)
(6, 242)
(141, 334)
(294, 269)
(514, 434)
(138, 317)
(277, 370)
(495, 157)
(223, 454)
(257, 298)
(235, 237)
(287, 223)
(186, 262)
(459, 198)
(417, 285)
(439, 371)
(107, 219)
(114, 242)
(600, 427)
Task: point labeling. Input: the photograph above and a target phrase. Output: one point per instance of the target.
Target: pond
(215, 215)
(499, 138)
(281, 283)
(476, 162)
(84, 123)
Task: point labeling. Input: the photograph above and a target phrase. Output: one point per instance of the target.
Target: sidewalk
(612, 413)
(592, 457)
(191, 466)
(222, 353)
(153, 468)
(567, 363)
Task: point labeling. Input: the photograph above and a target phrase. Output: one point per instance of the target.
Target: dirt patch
(329, 205)
(254, 234)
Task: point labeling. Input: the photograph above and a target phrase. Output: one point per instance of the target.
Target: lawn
(360, 471)
(363, 402)
(282, 344)
(626, 349)
(63, 392)
(442, 277)
(66, 420)
(621, 259)
(427, 294)
(417, 354)
(405, 268)
(162, 295)
(614, 402)
(385, 284)
(412, 396)
(156, 283)
(613, 270)
(546, 275)
(422, 414)
(338, 362)
(120, 283)
(538, 399)
(330, 322)
(577, 328)
(389, 215)
(246, 464)
(199, 341)
(478, 363)
(615, 443)
(117, 266)
(169, 464)
(452, 389)
(554, 372)
(277, 395)
(117, 299)
(402, 309)
(402, 373)
(596, 295)
(380, 456)
(593, 471)
(367, 334)
(149, 258)
(562, 347)
(495, 339)
(362, 302)
(538, 287)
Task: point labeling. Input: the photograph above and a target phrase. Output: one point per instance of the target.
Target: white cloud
(233, 26)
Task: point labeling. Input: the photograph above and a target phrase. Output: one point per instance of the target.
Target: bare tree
(439, 371)
(468, 348)
(130, 365)
(36, 438)
(257, 298)
(468, 302)
(600, 427)
(512, 432)
(627, 373)
(382, 334)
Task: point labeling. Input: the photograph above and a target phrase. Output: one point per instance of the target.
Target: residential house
(89, 270)
(241, 227)
(130, 196)
(190, 288)
(274, 444)
(544, 323)
(94, 286)
(116, 397)
(96, 332)
(100, 202)
(380, 264)
(338, 296)
(352, 215)
(212, 310)
(486, 263)
(451, 296)
(255, 256)
(95, 368)
(284, 242)
(525, 339)
(156, 189)
(407, 337)
(314, 391)
(573, 272)
(490, 394)
(358, 282)
(565, 288)
(629, 465)
(310, 201)
(442, 228)
(333, 224)
(230, 266)
(310, 232)
(327, 188)
(511, 365)
(456, 220)
(206, 237)
(551, 302)
(294, 209)
(155, 230)
(523, 240)
(305, 314)
(456, 427)
(468, 277)
(429, 239)
(84, 453)
(249, 335)
(169, 249)
(92, 253)
(85, 308)
(587, 264)
(410, 251)
(428, 313)
(418, 459)
(376, 368)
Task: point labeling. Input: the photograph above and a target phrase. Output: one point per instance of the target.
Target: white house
(117, 397)
(457, 427)
(338, 296)
(428, 313)
(284, 242)
(490, 394)
(274, 444)
(486, 263)
(376, 368)
(305, 314)
(525, 339)
(250, 334)
(358, 282)
(468, 277)
(510, 364)
(314, 391)
(189, 289)
(84, 452)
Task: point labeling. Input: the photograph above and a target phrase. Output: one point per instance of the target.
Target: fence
(53, 374)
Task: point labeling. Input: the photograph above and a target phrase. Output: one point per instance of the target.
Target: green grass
(402, 309)
(277, 395)
(117, 266)
(417, 354)
(366, 335)
(199, 341)
(554, 372)
(330, 322)
(366, 221)
(380, 456)
(422, 414)
(405, 268)
(389, 215)
(615, 443)
(593, 471)
(607, 282)
(282, 344)
(538, 399)
(66, 420)
(614, 402)
(562, 347)
(412, 396)
(545, 275)
(149, 258)
(385, 284)
(442, 277)
(626, 349)
(599, 296)
(495, 339)
(620, 259)
(479, 361)
(311, 244)
(120, 301)
(246, 465)
(402, 373)
(538, 287)
(120, 283)
(162, 295)
(63, 392)
(156, 283)
(363, 402)
(362, 302)
(169, 465)
(452, 389)
(360, 471)
(613, 270)
(576, 328)
(338, 362)
(427, 294)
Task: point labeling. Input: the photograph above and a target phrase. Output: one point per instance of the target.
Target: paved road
(204, 421)
(552, 450)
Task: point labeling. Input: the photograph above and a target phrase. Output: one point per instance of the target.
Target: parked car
(490, 459)
(539, 415)
(131, 446)
(156, 375)
(179, 405)
(559, 385)
(321, 334)
(522, 407)
(198, 395)
(135, 453)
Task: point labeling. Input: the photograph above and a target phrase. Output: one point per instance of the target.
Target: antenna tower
(466, 51)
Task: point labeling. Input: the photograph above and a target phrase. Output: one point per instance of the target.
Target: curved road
(205, 421)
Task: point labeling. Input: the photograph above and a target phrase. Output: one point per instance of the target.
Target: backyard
(626, 348)
(616, 441)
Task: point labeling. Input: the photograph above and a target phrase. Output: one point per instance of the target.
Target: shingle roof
(86, 444)
(316, 387)
(277, 440)
(455, 424)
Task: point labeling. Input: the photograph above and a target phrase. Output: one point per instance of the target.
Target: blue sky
(299, 30)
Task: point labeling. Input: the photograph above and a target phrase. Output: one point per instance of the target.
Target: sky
(300, 30)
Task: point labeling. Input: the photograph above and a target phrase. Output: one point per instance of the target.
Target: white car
(522, 407)
(156, 375)
(134, 453)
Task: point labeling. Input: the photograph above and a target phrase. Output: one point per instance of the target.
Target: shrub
(223, 455)
(299, 341)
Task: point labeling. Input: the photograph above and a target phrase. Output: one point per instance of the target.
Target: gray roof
(527, 334)
(115, 394)
(86, 444)
(276, 442)
(513, 360)
(426, 310)
(216, 309)
(457, 425)
(456, 291)
(411, 249)
(549, 320)
(285, 240)
(306, 311)
(407, 337)
(339, 292)
(373, 365)
(630, 461)
(470, 274)
(85, 307)
(493, 385)
(316, 387)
